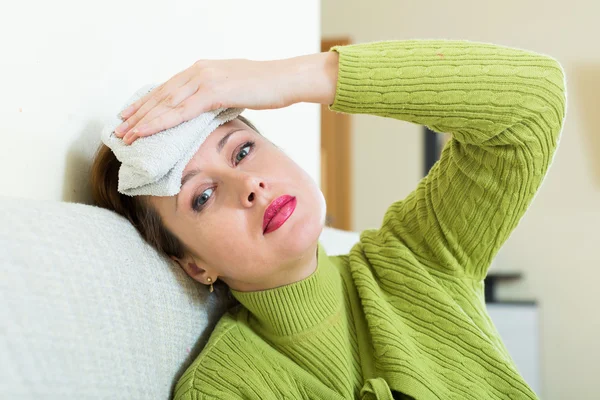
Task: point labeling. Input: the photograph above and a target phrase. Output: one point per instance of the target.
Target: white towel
(153, 165)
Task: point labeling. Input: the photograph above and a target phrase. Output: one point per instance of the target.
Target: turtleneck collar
(298, 306)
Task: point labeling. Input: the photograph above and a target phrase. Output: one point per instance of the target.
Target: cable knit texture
(403, 314)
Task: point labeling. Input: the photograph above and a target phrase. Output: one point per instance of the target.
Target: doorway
(336, 159)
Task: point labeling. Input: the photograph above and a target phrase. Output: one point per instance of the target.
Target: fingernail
(121, 128)
(130, 135)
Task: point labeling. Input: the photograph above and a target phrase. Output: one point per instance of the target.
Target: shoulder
(213, 360)
(232, 356)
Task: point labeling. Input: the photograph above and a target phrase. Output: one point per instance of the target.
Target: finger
(140, 107)
(127, 116)
(143, 105)
(133, 107)
(176, 79)
(186, 110)
(169, 118)
(171, 101)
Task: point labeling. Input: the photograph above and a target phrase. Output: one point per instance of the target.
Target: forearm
(472, 90)
(313, 76)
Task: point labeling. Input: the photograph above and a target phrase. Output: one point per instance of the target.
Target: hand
(208, 85)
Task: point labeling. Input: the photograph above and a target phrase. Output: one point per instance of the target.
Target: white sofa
(90, 311)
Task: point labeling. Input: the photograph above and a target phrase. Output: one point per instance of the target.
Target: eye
(243, 152)
(199, 201)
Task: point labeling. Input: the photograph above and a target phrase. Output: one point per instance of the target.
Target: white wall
(556, 243)
(65, 65)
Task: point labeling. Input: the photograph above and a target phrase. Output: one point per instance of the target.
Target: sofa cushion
(89, 309)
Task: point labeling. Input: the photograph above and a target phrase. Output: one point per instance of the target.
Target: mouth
(278, 212)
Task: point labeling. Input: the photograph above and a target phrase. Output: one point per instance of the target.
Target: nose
(250, 188)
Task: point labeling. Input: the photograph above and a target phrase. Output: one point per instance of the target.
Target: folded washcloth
(153, 165)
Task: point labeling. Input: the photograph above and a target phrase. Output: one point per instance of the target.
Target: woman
(403, 314)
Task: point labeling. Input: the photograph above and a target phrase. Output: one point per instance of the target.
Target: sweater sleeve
(504, 108)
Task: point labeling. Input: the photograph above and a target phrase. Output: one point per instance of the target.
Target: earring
(211, 285)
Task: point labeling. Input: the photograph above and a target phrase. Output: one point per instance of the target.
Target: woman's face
(218, 214)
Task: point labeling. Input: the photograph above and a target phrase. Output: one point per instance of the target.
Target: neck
(299, 270)
(297, 306)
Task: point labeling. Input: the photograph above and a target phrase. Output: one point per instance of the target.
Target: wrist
(314, 77)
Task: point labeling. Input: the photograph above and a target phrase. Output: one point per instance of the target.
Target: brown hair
(104, 178)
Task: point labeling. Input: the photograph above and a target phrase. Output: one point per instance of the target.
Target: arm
(504, 108)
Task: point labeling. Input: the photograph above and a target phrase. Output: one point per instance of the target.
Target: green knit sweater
(403, 314)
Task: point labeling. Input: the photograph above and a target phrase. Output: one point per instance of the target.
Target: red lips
(270, 223)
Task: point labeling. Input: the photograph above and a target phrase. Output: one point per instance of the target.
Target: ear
(191, 268)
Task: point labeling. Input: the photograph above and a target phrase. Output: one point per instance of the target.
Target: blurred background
(66, 65)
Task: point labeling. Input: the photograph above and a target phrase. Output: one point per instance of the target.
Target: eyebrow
(190, 174)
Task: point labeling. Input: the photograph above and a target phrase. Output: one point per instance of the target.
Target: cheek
(309, 191)
(285, 169)
(226, 230)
